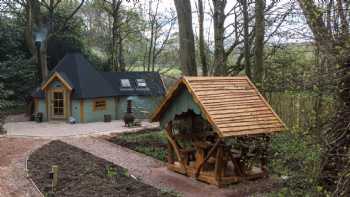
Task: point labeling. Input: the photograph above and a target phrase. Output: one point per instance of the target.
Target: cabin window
(100, 104)
(141, 83)
(125, 83)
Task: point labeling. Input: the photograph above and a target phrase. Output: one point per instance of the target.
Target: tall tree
(259, 41)
(219, 31)
(158, 29)
(246, 37)
(113, 9)
(329, 23)
(202, 52)
(187, 49)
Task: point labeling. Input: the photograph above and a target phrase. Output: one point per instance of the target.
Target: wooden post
(211, 151)
(170, 153)
(174, 145)
(54, 177)
(219, 164)
(199, 157)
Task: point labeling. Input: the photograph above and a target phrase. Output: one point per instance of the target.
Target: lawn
(171, 71)
(83, 175)
(151, 143)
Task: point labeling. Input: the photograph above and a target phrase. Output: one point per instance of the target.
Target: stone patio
(62, 129)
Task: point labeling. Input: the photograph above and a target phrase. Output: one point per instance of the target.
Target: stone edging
(28, 176)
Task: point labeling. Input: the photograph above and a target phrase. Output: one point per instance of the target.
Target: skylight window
(141, 83)
(125, 83)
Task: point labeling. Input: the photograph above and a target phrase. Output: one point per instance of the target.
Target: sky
(293, 30)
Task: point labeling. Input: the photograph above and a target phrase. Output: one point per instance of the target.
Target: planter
(107, 118)
(39, 117)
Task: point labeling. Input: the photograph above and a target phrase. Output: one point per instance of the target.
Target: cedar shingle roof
(232, 105)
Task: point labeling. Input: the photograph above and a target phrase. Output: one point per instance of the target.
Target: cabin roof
(87, 82)
(232, 105)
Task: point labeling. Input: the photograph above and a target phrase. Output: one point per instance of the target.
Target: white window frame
(141, 83)
(125, 83)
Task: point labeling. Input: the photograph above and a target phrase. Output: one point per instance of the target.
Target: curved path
(13, 177)
(154, 172)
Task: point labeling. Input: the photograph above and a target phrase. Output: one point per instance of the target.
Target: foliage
(290, 67)
(11, 38)
(296, 159)
(18, 78)
(153, 143)
(70, 39)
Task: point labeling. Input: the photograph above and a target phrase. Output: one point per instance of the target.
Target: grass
(173, 71)
(150, 143)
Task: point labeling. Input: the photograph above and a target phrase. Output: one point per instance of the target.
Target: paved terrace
(62, 129)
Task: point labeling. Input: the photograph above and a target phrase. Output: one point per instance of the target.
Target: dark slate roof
(154, 84)
(87, 82)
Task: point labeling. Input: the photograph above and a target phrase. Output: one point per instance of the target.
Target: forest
(295, 51)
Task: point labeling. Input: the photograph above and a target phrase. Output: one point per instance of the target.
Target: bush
(296, 159)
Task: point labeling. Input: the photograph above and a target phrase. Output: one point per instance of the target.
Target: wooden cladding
(99, 105)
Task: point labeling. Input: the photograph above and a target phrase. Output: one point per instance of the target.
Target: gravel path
(13, 153)
(154, 172)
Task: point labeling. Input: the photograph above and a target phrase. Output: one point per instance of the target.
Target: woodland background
(296, 52)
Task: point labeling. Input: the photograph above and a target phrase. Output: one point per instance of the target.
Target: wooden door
(58, 104)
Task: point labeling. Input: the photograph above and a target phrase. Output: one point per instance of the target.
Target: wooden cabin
(204, 117)
(75, 88)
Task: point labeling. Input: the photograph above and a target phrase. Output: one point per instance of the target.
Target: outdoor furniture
(202, 116)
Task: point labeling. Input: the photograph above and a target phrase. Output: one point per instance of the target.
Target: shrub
(296, 159)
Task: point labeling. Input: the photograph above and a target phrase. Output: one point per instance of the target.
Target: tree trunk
(335, 159)
(259, 41)
(246, 37)
(187, 49)
(201, 39)
(115, 48)
(121, 60)
(34, 20)
(219, 50)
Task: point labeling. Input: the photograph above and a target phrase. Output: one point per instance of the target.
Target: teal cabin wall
(76, 110)
(183, 102)
(42, 108)
(98, 116)
(89, 114)
(143, 106)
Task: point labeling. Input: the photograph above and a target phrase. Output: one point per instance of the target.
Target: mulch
(81, 174)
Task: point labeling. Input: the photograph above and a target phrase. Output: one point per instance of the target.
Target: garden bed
(83, 175)
(151, 143)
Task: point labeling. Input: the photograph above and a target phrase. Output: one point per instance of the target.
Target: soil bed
(151, 143)
(83, 175)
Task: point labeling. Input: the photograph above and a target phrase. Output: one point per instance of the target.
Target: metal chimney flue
(129, 116)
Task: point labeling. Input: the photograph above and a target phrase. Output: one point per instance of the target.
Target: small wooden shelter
(200, 116)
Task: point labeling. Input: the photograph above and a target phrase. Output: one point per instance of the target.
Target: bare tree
(160, 26)
(219, 33)
(113, 9)
(329, 23)
(246, 37)
(187, 49)
(202, 52)
(259, 41)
